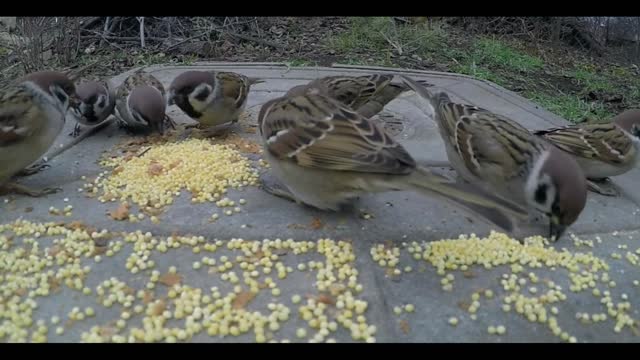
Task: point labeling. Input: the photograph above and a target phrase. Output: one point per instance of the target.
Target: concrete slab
(398, 217)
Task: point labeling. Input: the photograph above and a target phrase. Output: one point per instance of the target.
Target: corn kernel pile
(524, 292)
(167, 308)
(153, 179)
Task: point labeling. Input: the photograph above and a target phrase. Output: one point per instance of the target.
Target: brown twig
(185, 40)
(251, 38)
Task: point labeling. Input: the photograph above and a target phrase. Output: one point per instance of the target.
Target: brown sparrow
(601, 150)
(367, 95)
(498, 154)
(97, 101)
(211, 98)
(32, 114)
(141, 104)
(327, 155)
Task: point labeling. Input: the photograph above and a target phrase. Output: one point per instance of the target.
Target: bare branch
(141, 21)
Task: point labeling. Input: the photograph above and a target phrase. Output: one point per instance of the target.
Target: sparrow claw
(169, 121)
(24, 190)
(611, 191)
(34, 169)
(216, 130)
(276, 188)
(76, 131)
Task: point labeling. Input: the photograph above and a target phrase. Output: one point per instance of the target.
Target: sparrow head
(191, 91)
(558, 188)
(55, 84)
(147, 106)
(95, 103)
(629, 121)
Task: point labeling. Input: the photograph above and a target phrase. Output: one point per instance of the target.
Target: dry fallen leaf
(469, 274)
(54, 250)
(99, 250)
(147, 298)
(107, 331)
(389, 272)
(90, 194)
(242, 299)
(169, 279)
(128, 290)
(54, 284)
(463, 305)
(337, 289)
(121, 213)
(76, 225)
(243, 145)
(255, 257)
(326, 299)
(404, 326)
(118, 170)
(152, 211)
(155, 169)
(158, 308)
(175, 164)
(316, 224)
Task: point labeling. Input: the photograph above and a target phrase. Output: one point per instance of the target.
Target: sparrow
(601, 150)
(367, 94)
(141, 104)
(32, 114)
(500, 155)
(327, 155)
(211, 98)
(96, 102)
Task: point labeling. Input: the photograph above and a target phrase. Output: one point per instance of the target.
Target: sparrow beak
(556, 231)
(160, 127)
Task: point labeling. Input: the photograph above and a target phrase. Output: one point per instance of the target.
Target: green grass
(590, 80)
(494, 53)
(570, 107)
(380, 36)
(300, 62)
(495, 61)
(372, 41)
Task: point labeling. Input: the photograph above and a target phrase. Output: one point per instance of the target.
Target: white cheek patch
(101, 104)
(199, 105)
(534, 180)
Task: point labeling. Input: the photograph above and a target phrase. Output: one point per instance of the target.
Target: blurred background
(581, 68)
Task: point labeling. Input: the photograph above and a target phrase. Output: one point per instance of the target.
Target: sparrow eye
(101, 102)
(541, 194)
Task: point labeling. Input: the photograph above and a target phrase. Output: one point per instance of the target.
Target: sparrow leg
(592, 186)
(33, 169)
(24, 190)
(169, 121)
(435, 163)
(216, 130)
(185, 134)
(276, 188)
(91, 131)
(76, 131)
